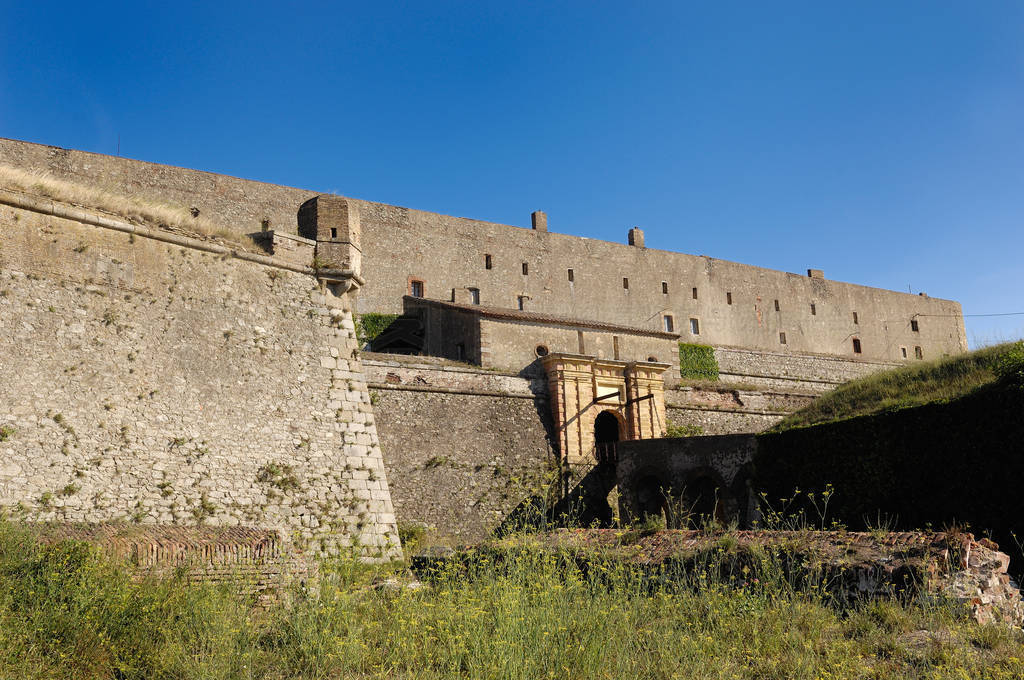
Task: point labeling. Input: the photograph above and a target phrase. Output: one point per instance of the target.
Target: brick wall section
(448, 252)
(158, 384)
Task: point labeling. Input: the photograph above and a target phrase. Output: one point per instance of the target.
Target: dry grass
(129, 208)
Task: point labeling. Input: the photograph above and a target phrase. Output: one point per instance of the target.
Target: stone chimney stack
(636, 237)
(540, 221)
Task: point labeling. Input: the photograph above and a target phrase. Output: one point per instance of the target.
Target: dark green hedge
(370, 325)
(697, 362)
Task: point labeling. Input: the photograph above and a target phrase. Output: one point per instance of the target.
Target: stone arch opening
(651, 500)
(606, 428)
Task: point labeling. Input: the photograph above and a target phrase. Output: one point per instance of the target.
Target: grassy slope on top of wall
(697, 362)
(922, 383)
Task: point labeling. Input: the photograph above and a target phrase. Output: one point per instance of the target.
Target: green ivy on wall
(697, 362)
(369, 326)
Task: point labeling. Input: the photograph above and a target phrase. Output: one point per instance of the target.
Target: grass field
(913, 385)
(66, 613)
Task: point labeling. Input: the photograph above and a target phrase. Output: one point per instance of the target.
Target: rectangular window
(855, 319)
(918, 353)
(334, 232)
(776, 305)
(487, 262)
(856, 346)
(694, 293)
(695, 326)
(903, 350)
(782, 338)
(728, 298)
(526, 268)
(474, 295)
(522, 302)
(460, 352)
(625, 283)
(670, 324)
(571, 275)
(664, 287)
(913, 326)
(814, 310)
(416, 288)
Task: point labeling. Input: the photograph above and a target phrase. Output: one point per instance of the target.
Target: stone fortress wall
(733, 305)
(150, 382)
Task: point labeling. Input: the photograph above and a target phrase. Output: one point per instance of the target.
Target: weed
(6, 432)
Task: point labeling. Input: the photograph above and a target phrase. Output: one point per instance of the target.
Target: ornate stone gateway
(582, 388)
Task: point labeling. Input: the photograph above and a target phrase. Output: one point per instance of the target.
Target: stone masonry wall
(735, 305)
(155, 384)
(792, 372)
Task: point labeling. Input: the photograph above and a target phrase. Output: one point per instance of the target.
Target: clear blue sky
(880, 141)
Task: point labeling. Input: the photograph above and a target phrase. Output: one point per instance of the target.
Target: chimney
(816, 273)
(636, 237)
(540, 221)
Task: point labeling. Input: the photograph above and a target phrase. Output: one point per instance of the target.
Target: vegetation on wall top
(370, 325)
(697, 362)
(914, 385)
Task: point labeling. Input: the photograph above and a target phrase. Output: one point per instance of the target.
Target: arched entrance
(606, 434)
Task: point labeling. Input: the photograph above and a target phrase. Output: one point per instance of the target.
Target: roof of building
(505, 314)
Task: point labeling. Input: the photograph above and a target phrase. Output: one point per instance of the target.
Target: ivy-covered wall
(934, 465)
(697, 362)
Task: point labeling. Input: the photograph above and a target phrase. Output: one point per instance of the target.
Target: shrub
(697, 362)
(369, 326)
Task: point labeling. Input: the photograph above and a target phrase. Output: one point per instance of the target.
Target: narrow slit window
(526, 268)
(728, 298)
(855, 319)
(521, 301)
(625, 283)
(814, 310)
(914, 327)
(903, 350)
(694, 293)
(572, 276)
(670, 324)
(334, 232)
(664, 287)
(416, 288)
(782, 338)
(474, 295)
(777, 308)
(918, 353)
(694, 326)
(487, 262)
(856, 345)
(460, 352)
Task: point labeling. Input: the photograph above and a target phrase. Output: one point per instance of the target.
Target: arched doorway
(606, 434)
(706, 501)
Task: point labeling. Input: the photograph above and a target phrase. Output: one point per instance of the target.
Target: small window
(903, 350)
(625, 283)
(474, 295)
(694, 293)
(782, 338)
(855, 319)
(571, 275)
(526, 268)
(728, 298)
(487, 262)
(664, 287)
(695, 326)
(918, 353)
(670, 324)
(913, 326)
(416, 288)
(542, 350)
(777, 306)
(814, 310)
(653, 360)
(334, 232)
(856, 346)
(521, 301)
(460, 352)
